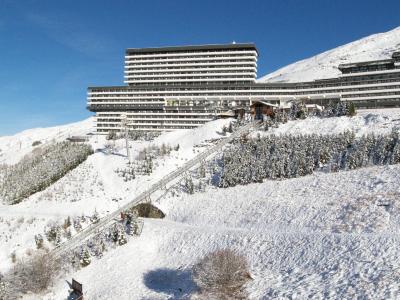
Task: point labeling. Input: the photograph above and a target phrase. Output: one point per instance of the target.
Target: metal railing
(105, 221)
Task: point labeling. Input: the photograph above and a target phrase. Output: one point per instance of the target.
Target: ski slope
(324, 235)
(92, 186)
(13, 148)
(325, 65)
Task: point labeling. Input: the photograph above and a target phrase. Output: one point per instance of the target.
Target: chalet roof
(316, 106)
(265, 103)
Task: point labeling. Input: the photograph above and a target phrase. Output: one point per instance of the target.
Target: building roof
(263, 102)
(192, 48)
(228, 113)
(366, 63)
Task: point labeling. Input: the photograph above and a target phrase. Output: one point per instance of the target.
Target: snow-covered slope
(319, 236)
(13, 148)
(379, 121)
(93, 185)
(323, 235)
(324, 65)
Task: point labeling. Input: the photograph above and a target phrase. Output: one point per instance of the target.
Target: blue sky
(51, 51)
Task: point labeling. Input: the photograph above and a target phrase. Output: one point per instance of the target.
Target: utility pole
(124, 122)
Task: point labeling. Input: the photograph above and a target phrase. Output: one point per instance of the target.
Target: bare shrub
(34, 274)
(222, 275)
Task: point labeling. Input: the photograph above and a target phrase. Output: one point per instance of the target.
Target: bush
(222, 275)
(33, 275)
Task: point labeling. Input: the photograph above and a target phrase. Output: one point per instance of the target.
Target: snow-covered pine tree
(53, 233)
(3, 288)
(39, 241)
(67, 222)
(85, 259)
(95, 217)
(202, 170)
(253, 160)
(118, 234)
(189, 186)
(98, 245)
(77, 224)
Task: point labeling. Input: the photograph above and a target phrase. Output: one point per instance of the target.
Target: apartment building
(171, 88)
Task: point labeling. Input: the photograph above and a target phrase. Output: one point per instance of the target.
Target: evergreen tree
(3, 289)
(189, 186)
(85, 259)
(255, 159)
(67, 222)
(118, 234)
(202, 170)
(77, 224)
(95, 217)
(351, 110)
(39, 241)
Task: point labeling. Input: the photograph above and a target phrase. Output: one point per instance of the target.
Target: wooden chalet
(260, 109)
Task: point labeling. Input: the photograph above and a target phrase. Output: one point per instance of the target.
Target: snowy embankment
(92, 186)
(325, 65)
(13, 148)
(323, 235)
(378, 121)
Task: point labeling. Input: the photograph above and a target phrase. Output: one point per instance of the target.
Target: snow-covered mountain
(14, 147)
(324, 65)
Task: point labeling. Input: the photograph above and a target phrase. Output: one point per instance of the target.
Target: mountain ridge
(325, 65)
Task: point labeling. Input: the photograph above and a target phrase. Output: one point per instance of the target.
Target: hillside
(13, 148)
(319, 235)
(93, 186)
(322, 235)
(324, 65)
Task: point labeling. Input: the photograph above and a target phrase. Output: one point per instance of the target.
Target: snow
(13, 148)
(378, 121)
(323, 235)
(325, 65)
(288, 231)
(94, 185)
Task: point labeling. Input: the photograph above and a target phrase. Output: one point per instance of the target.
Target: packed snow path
(104, 222)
